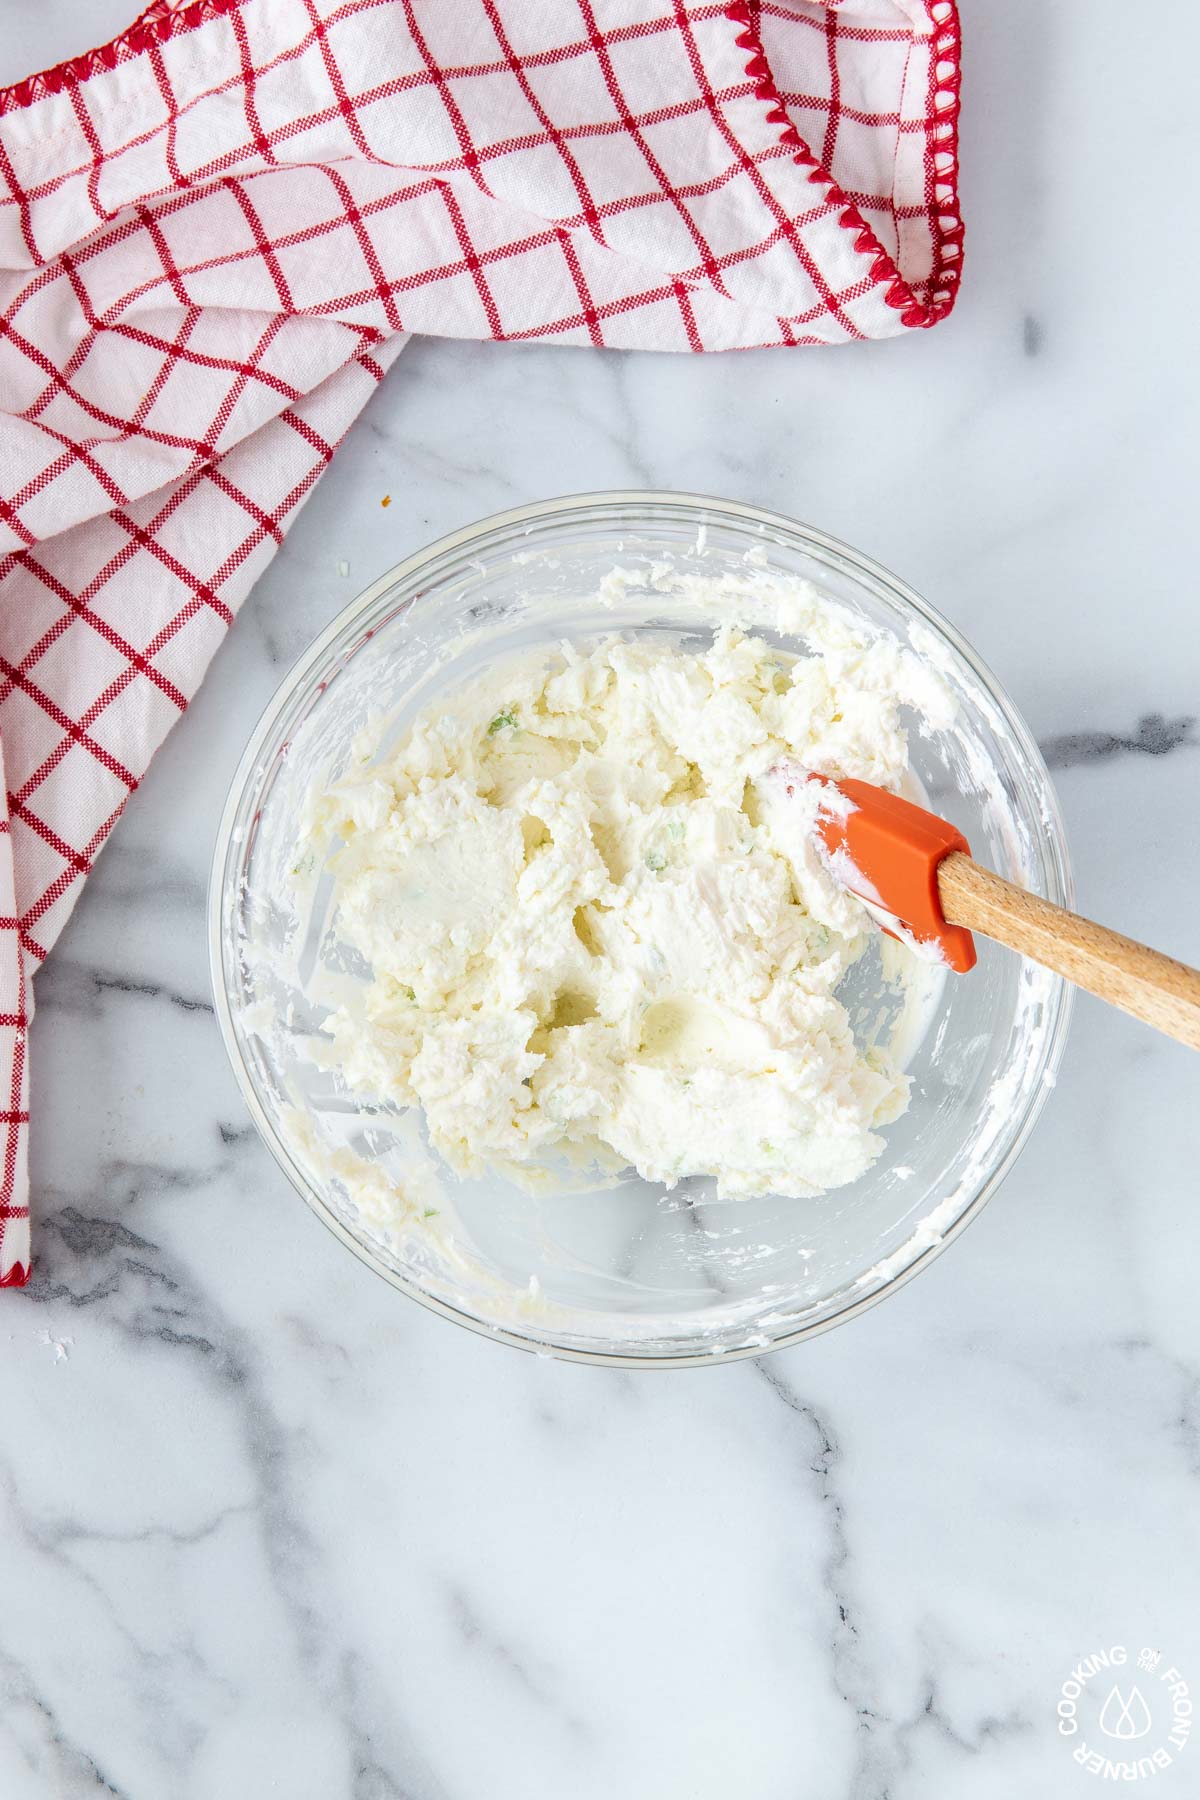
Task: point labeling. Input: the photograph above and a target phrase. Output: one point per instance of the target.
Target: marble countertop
(266, 1528)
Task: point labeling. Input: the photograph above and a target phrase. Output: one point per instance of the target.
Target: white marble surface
(266, 1528)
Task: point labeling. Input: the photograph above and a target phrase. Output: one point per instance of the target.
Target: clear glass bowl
(632, 1274)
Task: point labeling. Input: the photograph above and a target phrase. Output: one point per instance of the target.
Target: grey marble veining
(1154, 736)
(267, 1529)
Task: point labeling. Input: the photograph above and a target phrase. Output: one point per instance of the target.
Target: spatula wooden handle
(1155, 988)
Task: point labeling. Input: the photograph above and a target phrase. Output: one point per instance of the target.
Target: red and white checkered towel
(217, 231)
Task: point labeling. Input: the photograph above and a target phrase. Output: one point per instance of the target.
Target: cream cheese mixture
(597, 929)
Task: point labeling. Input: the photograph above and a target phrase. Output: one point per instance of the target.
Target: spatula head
(887, 850)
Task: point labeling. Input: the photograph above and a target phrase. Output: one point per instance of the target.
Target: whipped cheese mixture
(596, 927)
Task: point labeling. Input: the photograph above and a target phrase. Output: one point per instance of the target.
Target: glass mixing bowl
(629, 1273)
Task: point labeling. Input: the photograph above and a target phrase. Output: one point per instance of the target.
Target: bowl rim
(1052, 845)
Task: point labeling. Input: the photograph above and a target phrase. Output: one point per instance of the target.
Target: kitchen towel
(217, 231)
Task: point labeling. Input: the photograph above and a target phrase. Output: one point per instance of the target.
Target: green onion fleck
(656, 860)
(503, 721)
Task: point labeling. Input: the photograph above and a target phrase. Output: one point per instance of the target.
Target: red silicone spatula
(911, 867)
